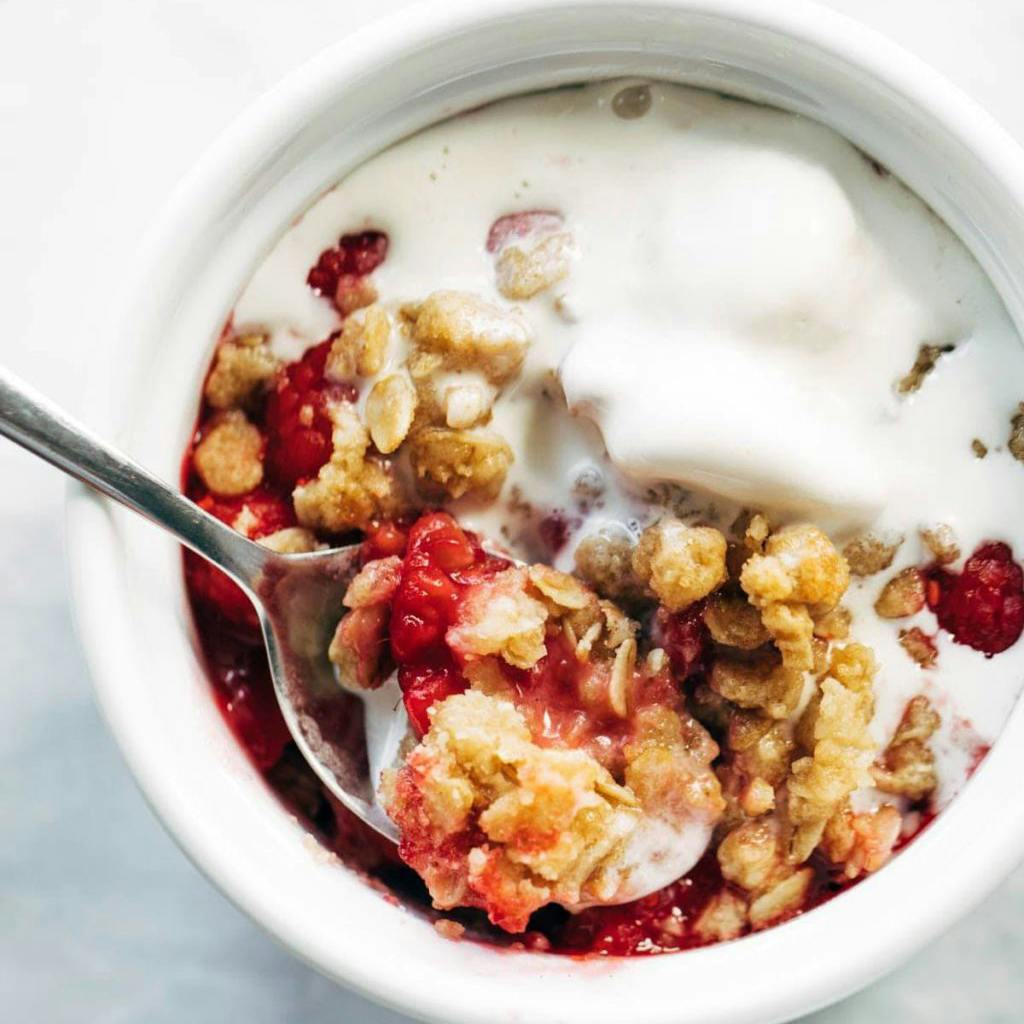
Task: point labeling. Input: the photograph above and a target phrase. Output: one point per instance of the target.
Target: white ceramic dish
(355, 98)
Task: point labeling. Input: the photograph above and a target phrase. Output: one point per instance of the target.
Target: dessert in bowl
(701, 367)
(747, 658)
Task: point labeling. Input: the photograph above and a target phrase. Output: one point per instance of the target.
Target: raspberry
(423, 685)
(354, 256)
(519, 225)
(441, 560)
(384, 540)
(685, 639)
(297, 420)
(427, 597)
(983, 606)
(262, 511)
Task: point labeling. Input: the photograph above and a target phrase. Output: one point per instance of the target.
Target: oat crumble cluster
(683, 677)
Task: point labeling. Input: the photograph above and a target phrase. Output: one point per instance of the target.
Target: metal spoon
(297, 597)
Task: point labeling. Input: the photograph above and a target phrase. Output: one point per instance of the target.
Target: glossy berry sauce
(441, 561)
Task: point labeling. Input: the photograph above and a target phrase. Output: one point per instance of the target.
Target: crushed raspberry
(685, 639)
(441, 560)
(262, 512)
(384, 540)
(424, 685)
(298, 424)
(520, 225)
(354, 257)
(983, 606)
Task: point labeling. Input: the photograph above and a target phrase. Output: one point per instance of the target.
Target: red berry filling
(354, 257)
(983, 606)
(244, 691)
(441, 560)
(685, 639)
(297, 420)
(262, 512)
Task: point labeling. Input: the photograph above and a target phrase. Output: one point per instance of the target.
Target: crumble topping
(465, 406)
(907, 765)
(605, 561)
(903, 595)
(919, 645)
(940, 540)
(470, 333)
(733, 622)
(499, 617)
(361, 347)
(834, 732)
(242, 370)
(292, 540)
(870, 553)
(454, 463)
(1015, 442)
(927, 357)
(390, 408)
(351, 490)
(680, 563)
(229, 457)
(490, 819)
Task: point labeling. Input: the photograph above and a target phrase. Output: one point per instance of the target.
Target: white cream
(747, 288)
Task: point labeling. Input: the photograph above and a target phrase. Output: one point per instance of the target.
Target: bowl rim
(983, 859)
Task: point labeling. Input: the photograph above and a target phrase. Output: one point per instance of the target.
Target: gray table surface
(103, 105)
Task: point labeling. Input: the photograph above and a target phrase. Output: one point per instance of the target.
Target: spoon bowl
(298, 598)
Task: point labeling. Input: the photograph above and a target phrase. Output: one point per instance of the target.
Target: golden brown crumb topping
(941, 541)
(390, 408)
(361, 348)
(499, 617)
(903, 595)
(243, 368)
(834, 731)
(680, 564)
(459, 462)
(229, 457)
(469, 333)
(605, 561)
(907, 766)
(352, 489)
(527, 266)
(871, 553)
(551, 822)
(927, 357)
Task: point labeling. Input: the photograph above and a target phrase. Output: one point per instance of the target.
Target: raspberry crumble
(665, 680)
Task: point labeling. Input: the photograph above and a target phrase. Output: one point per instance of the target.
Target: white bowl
(355, 98)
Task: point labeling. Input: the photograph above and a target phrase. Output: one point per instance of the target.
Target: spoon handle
(36, 424)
